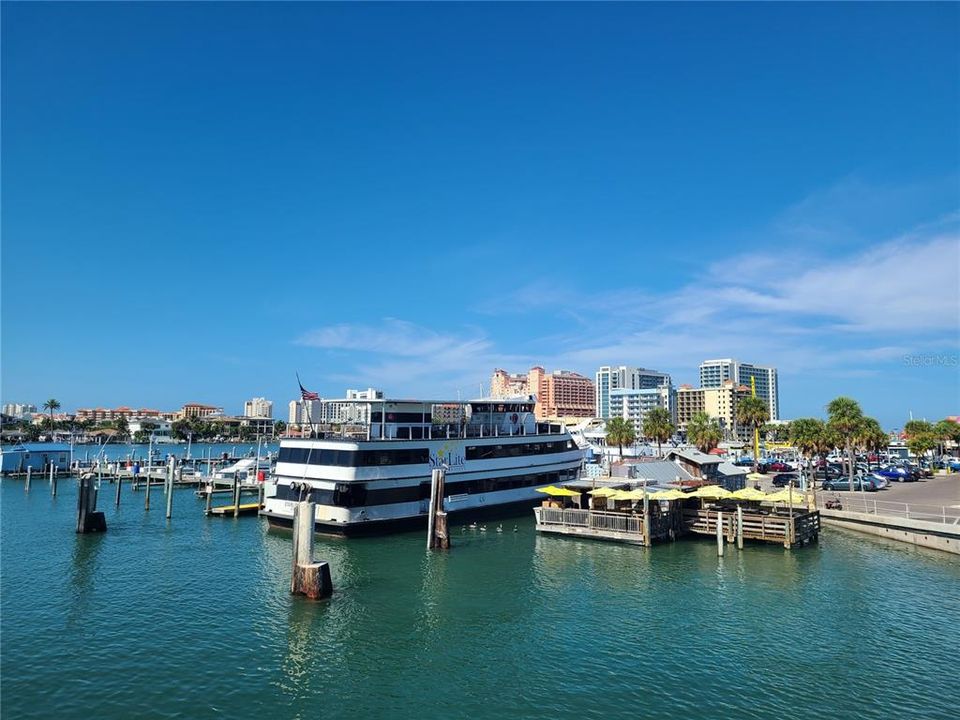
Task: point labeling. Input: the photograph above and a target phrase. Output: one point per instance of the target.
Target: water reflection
(84, 569)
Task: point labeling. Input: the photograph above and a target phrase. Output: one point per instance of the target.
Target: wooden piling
(119, 486)
(53, 480)
(88, 519)
(29, 473)
(437, 535)
(169, 483)
(206, 510)
(146, 502)
(308, 578)
(236, 494)
(739, 528)
(719, 534)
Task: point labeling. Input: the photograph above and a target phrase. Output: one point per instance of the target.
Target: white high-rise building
(19, 410)
(302, 412)
(610, 378)
(368, 394)
(258, 408)
(713, 373)
(633, 405)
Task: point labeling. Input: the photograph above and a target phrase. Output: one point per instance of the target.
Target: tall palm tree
(871, 437)
(51, 405)
(946, 431)
(620, 432)
(704, 432)
(754, 413)
(808, 436)
(658, 425)
(846, 419)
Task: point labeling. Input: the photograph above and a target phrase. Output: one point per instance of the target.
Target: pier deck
(794, 530)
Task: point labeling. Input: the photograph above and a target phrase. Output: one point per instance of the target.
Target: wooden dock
(227, 510)
(782, 528)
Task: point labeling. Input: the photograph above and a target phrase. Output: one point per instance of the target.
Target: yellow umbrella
(558, 492)
(634, 495)
(756, 476)
(748, 493)
(784, 496)
(668, 495)
(604, 492)
(621, 495)
(711, 492)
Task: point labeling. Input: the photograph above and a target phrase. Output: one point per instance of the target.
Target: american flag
(306, 394)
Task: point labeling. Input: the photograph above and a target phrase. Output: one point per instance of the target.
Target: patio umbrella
(604, 492)
(668, 495)
(748, 493)
(784, 496)
(558, 492)
(711, 492)
(755, 476)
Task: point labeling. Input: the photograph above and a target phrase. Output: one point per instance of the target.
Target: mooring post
(206, 510)
(88, 519)
(437, 534)
(719, 533)
(169, 483)
(29, 472)
(119, 486)
(236, 494)
(53, 480)
(146, 503)
(739, 528)
(309, 578)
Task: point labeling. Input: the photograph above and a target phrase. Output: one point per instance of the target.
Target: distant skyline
(202, 199)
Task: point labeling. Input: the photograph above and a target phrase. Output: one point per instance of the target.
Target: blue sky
(201, 199)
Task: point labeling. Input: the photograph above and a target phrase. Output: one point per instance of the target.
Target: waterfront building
(560, 394)
(507, 385)
(160, 429)
(258, 408)
(107, 414)
(713, 373)
(719, 403)
(19, 411)
(633, 405)
(609, 378)
(197, 410)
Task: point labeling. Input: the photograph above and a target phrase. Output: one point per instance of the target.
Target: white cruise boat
(374, 476)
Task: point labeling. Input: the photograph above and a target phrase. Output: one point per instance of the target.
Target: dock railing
(591, 519)
(909, 511)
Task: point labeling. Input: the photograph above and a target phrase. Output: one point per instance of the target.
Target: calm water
(193, 619)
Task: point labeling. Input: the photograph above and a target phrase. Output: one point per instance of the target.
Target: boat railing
(433, 431)
(590, 519)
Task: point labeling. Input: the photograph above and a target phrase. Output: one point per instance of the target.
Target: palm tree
(846, 419)
(658, 424)
(946, 431)
(807, 435)
(754, 413)
(704, 432)
(871, 437)
(620, 432)
(51, 405)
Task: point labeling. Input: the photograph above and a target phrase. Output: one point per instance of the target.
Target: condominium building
(633, 405)
(505, 385)
(713, 373)
(192, 410)
(258, 408)
(19, 410)
(561, 394)
(128, 413)
(609, 378)
(304, 411)
(368, 394)
(720, 403)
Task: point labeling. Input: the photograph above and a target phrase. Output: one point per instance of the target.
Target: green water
(193, 619)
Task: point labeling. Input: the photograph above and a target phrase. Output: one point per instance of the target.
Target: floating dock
(227, 510)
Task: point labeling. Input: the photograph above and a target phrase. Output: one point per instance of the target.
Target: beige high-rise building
(719, 403)
(560, 394)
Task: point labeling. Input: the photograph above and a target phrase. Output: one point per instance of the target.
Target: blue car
(893, 472)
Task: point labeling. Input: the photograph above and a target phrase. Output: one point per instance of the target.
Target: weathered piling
(146, 502)
(119, 486)
(720, 534)
(236, 494)
(309, 578)
(739, 528)
(88, 519)
(29, 473)
(53, 480)
(206, 510)
(437, 535)
(171, 470)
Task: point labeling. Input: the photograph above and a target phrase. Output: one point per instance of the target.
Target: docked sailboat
(372, 475)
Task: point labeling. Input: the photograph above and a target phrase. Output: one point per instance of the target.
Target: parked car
(784, 479)
(881, 482)
(859, 483)
(955, 466)
(892, 472)
(777, 466)
(827, 472)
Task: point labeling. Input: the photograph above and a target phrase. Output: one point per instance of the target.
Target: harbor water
(192, 618)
